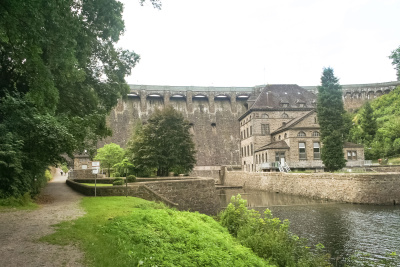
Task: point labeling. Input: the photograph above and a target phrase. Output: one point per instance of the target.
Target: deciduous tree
(60, 75)
(395, 57)
(164, 143)
(330, 112)
(109, 155)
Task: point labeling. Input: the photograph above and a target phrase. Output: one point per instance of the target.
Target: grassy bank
(24, 202)
(120, 231)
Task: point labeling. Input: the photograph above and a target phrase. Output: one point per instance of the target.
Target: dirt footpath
(20, 230)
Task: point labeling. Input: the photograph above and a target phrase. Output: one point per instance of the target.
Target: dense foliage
(377, 126)
(330, 112)
(269, 238)
(109, 155)
(120, 231)
(164, 143)
(395, 57)
(60, 75)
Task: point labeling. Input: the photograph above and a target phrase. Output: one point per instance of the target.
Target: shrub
(116, 174)
(48, 176)
(118, 181)
(268, 237)
(131, 178)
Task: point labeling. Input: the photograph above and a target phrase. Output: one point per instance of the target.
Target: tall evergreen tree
(164, 143)
(330, 113)
(368, 122)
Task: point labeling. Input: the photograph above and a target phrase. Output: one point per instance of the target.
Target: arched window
(285, 135)
(264, 116)
(284, 115)
(315, 133)
(279, 137)
(301, 134)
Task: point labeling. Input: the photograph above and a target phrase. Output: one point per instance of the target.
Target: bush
(48, 176)
(268, 237)
(118, 181)
(131, 178)
(116, 174)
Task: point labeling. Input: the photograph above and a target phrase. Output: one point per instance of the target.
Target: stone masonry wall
(215, 129)
(185, 194)
(375, 188)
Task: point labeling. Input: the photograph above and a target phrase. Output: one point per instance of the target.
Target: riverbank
(363, 188)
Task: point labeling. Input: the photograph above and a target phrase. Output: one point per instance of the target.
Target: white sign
(95, 171)
(95, 164)
(84, 167)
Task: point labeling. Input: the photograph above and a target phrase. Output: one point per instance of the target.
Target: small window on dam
(214, 127)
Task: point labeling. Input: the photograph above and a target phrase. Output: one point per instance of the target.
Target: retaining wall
(375, 188)
(194, 194)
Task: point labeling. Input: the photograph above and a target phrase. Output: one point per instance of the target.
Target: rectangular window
(352, 155)
(247, 132)
(248, 151)
(251, 130)
(263, 158)
(317, 152)
(251, 149)
(302, 151)
(264, 129)
(242, 152)
(279, 155)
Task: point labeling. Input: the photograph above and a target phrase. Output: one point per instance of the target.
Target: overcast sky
(254, 42)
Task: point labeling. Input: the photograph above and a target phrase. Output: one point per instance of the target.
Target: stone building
(280, 131)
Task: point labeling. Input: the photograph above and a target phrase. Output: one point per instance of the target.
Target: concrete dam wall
(213, 113)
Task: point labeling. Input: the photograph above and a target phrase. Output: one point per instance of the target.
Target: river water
(341, 227)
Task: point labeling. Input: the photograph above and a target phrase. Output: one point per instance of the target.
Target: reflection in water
(341, 228)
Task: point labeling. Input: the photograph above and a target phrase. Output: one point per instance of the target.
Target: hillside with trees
(377, 126)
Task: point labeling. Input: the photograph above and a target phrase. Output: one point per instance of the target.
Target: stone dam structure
(213, 114)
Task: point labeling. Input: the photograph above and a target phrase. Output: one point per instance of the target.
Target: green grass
(120, 231)
(97, 184)
(22, 203)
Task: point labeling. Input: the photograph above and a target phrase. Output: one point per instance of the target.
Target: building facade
(280, 131)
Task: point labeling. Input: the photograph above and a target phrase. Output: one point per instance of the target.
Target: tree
(395, 57)
(368, 122)
(60, 76)
(109, 155)
(124, 167)
(163, 143)
(330, 112)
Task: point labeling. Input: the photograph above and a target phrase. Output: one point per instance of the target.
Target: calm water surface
(341, 228)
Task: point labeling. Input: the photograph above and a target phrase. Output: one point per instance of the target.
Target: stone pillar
(233, 102)
(211, 102)
(189, 101)
(167, 95)
(143, 98)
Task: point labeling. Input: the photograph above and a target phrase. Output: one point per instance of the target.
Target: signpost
(95, 170)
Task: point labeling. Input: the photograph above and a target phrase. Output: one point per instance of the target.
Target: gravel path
(20, 230)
